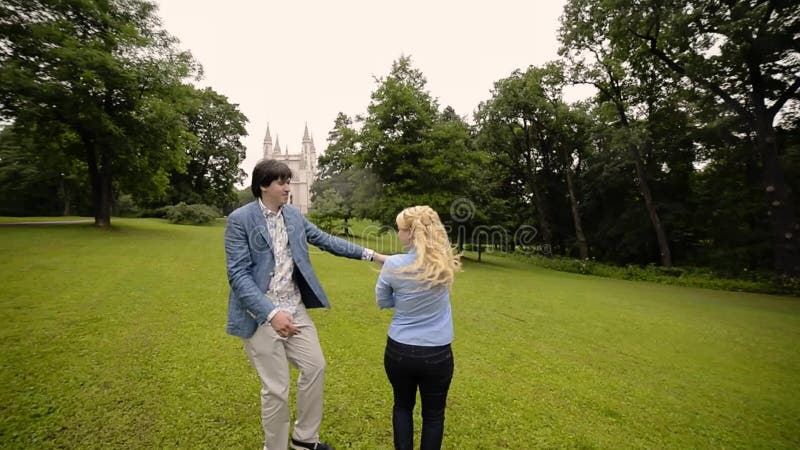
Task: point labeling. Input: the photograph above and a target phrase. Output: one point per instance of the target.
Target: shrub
(184, 214)
(682, 276)
(155, 213)
(124, 206)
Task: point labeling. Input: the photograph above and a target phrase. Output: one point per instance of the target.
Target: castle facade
(303, 165)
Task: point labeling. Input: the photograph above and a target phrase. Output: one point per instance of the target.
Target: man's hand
(378, 258)
(283, 325)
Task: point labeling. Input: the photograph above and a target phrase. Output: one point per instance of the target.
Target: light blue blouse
(421, 316)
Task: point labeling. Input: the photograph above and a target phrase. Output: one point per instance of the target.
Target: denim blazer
(250, 263)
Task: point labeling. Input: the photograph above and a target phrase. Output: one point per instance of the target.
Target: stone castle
(303, 165)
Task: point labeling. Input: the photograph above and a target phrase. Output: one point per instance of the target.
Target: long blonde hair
(435, 263)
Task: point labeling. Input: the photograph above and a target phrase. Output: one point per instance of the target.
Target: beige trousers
(271, 355)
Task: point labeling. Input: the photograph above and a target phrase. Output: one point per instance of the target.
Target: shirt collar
(268, 212)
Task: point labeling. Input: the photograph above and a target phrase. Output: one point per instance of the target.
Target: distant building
(303, 165)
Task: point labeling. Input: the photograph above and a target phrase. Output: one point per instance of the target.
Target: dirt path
(49, 222)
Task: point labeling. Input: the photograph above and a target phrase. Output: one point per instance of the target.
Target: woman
(417, 285)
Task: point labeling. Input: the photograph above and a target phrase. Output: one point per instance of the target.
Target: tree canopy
(107, 78)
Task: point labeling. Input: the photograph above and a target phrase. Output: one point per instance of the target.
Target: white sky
(288, 63)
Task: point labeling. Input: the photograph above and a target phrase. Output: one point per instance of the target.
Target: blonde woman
(418, 355)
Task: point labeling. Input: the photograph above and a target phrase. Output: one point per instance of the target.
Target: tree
(419, 155)
(625, 81)
(214, 153)
(106, 72)
(741, 56)
(573, 130)
(535, 136)
(342, 149)
(393, 136)
(744, 54)
(36, 175)
(343, 190)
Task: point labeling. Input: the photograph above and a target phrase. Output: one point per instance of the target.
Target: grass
(115, 339)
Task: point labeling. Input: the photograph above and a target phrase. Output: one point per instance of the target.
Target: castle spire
(306, 138)
(277, 145)
(313, 157)
(267, 146)
(268, 137)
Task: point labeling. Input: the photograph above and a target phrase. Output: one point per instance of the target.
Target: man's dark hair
(267, 171)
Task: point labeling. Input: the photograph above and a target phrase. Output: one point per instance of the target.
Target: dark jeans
(430, 369)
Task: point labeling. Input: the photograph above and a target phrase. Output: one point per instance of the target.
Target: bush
(154, 213)
(184, 214)
(124, 206)
(760, 282)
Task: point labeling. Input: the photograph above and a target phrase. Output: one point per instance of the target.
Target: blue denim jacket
(250, 262)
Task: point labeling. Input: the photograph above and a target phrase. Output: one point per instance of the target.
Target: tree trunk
(65, 195)
(347, 227)
(102, 218)
(779, 206)
(67, 205)
(538, 198)
(100, 179)
(541, 211)
(583, 246)
(644, 188)
(479, 247)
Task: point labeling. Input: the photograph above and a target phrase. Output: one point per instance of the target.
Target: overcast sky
(288, 63)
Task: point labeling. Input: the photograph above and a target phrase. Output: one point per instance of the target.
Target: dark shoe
(297, 445)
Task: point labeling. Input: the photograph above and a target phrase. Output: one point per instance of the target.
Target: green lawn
(115, 339)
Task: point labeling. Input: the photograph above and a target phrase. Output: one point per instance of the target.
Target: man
(272, 284)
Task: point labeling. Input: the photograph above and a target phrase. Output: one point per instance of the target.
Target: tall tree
(342, 149)
(419, 154)
(623, 80)
(108, 73)
(215, 152)
(524, 125)
(573, 138)
(343, 190)
(744, 54)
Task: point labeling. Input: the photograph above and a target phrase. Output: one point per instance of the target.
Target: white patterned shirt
(283, 291)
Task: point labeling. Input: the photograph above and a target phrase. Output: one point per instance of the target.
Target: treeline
(688, 154)
(100, 114)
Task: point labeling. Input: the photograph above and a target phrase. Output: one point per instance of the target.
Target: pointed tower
(277, 145)
(267, 147)
(313, 159)
(305, 151)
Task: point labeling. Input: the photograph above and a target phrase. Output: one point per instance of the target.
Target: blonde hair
(435, 264)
